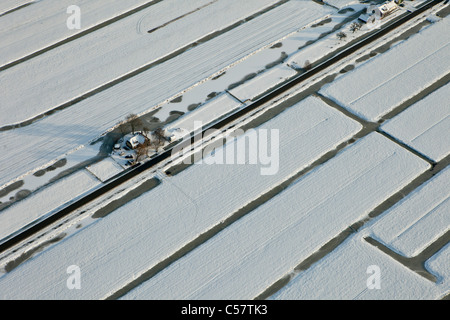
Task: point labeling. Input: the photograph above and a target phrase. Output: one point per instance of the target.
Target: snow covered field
(45, 175)
(38, 205)
(438, 264)
(343, 275)
(340, 4)
(91, 117)
(214, 109)
(425, 125)
(8, 5)
(42, 24)
(384, 83)
(419, 220)
(105, 169)
(135, 50)
(260, 248)
(174, 213)
(335, 195)
(257, 73)
(407, 229)
(267, 80)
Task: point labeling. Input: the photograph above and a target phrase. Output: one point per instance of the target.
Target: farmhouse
(385, 9)
(378, 12)
(135, 141)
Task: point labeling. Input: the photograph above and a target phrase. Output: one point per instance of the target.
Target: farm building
(378, 12)
(385, 9)
(134, 141)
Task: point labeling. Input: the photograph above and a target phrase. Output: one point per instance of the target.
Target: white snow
(214, 77)
(419, 219)
(340, 4)
(260, 248)
(256, 65)
(262, 83)
(386, 81)
(48, 138)
(105, 169)
(34, 83)
(44, 23)
(425, 126)
(43, 202)
(344, 273)
(407, 228)
(135, 237)
(33, 181)
(438, 265)
(7, 5)
(210, 111)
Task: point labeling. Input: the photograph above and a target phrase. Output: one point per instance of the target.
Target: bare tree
(134, 121)
(145, 132)
(341, 35)
(355, 26)
(160, 136)
(141, 152)
(147, 145)
(154, 144)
